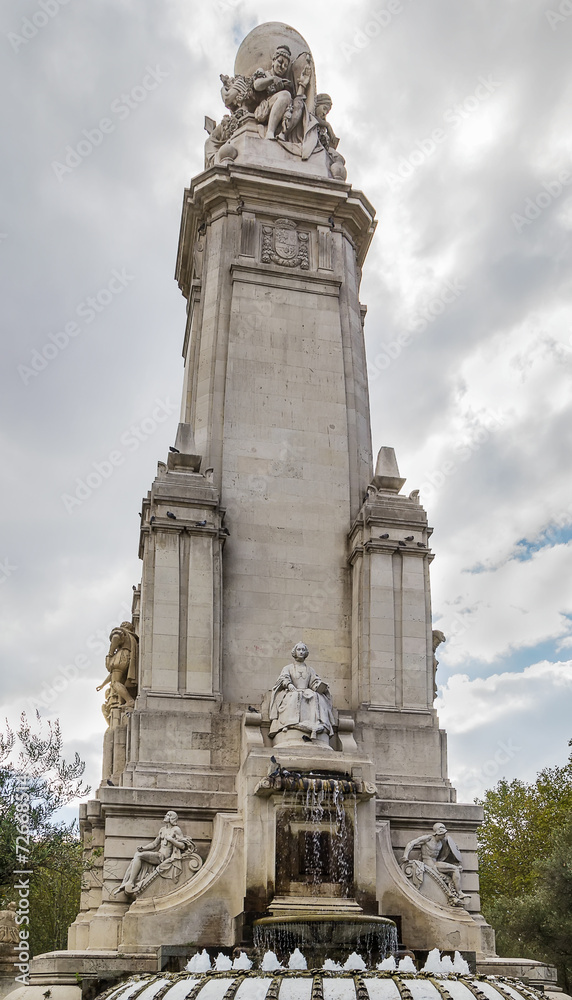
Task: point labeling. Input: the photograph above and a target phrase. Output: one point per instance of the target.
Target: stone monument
(300, 791)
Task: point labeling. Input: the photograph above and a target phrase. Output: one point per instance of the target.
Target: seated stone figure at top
(300, 700)
(283, 102)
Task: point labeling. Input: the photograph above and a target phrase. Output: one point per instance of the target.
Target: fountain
(314, 909)
(332, 981)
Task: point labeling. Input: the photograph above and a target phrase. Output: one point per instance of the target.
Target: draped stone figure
(301, 700)
(121, 663)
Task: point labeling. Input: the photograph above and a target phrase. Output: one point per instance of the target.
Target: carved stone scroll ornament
(283, 244)
(165, 857)
(440, 861)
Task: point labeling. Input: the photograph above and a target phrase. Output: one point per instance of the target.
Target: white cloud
(465, 704)
(507, 725)
(517, 604)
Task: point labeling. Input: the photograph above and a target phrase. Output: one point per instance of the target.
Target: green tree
(35, 782)
(543, 918)
(525, 864)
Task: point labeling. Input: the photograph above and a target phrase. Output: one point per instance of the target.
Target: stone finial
(387, 472)
(185, 456)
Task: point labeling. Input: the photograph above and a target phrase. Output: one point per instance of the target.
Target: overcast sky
(455, 120)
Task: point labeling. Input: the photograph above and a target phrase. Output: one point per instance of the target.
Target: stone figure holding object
(328, 137)
(438, 852)
(163, 856)
(121, 663)
(280, 94)
(301, 700)
(8, 926)
(276, 88)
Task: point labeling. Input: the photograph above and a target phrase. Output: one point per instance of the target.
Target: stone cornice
(231, 190)
(270, 274)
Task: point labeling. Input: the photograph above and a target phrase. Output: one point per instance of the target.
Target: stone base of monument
(527, 969)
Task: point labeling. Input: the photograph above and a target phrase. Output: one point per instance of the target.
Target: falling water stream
(329, 834)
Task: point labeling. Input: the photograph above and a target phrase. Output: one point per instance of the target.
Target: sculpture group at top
(279, 97)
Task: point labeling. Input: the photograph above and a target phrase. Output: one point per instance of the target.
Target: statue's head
(171, 817)
(323, 106)
(119, 632)
(439, 830)
(281, 60)
(300, 651)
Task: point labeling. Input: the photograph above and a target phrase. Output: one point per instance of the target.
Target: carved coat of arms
(283, 244)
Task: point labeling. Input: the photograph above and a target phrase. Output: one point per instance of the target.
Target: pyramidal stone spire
(281, 637)
(386, 471)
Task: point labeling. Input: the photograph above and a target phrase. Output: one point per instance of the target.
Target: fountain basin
(326, 935)
(306, 985)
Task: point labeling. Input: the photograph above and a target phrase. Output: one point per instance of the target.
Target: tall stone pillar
(277, 398)
(268, 527)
